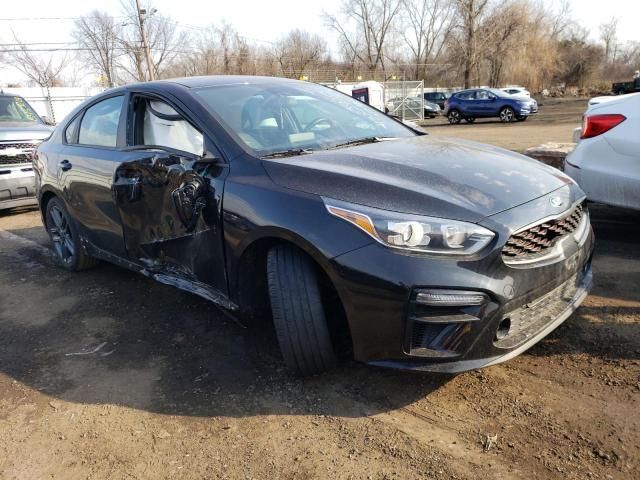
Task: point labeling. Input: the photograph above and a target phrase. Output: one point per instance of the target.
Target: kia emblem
(556, 202)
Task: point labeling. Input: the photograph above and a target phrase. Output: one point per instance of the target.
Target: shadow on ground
(111, 336)
(108, 336)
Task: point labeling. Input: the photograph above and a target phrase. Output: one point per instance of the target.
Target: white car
(606, 160)
(517, 91)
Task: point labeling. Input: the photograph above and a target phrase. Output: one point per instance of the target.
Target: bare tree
(219, 49)
(502, 31)
(98, 34)
(299, 50)
(372, 21)
(609, 36)
(561, 20)
(427, 24)
(471, 13)
(166, 42)
(43, 70)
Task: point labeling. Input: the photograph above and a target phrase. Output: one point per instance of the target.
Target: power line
(38, 19)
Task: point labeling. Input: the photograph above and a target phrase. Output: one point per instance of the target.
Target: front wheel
(454, 117)
(298, 313)
(470, 119)
(65, 241)
(522, 118)
(507, 115)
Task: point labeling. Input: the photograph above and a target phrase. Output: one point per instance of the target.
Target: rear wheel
(65, 241)
(507, 115)
(298, 313)
(454, 117)
(470, 119)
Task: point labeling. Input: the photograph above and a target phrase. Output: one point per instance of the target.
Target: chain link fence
(405, 99)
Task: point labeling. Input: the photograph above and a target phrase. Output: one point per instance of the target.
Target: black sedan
(290, 201)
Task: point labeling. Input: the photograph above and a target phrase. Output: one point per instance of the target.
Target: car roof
(218, 80)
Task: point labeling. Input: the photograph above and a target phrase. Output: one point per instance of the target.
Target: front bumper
(17, 186)
(582, 290)
(378, 288)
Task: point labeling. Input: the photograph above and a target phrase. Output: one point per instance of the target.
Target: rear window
(465, 95)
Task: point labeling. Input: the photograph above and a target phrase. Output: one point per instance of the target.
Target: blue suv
(488, 102)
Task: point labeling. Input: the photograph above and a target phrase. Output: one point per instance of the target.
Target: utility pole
(145, 42)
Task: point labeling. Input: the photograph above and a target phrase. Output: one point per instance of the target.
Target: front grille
(25, 154)
(540, 237)
(528, 320)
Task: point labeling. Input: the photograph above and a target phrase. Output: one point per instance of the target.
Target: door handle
(65, 165)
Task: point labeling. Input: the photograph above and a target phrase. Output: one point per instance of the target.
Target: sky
(259, 20)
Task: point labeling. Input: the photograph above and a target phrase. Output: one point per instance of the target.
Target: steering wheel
(317, 121)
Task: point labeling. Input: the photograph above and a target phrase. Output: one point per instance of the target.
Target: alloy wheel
(506, 115)
(61, 235)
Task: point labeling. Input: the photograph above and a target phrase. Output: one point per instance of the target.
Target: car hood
(23, 131)
(422, 175)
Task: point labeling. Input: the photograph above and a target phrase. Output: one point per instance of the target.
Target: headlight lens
(412, 232)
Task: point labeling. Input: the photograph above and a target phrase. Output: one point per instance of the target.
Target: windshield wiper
(288, 153)
(362, 141)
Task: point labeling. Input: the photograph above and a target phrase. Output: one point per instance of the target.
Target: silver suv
(21, 131)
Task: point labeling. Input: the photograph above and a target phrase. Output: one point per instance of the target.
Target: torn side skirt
(192, 286)
(175, 276)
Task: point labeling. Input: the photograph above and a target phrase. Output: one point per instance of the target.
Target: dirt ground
(106, 374)
(555, 122)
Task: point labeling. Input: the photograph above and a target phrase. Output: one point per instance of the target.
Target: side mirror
(209, 159)
(47, 120)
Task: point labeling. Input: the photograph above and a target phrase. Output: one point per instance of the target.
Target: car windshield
(296, 117)
(15, 109)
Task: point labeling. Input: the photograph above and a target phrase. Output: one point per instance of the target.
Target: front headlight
(414, 233)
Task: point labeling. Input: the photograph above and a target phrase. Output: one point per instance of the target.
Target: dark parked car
(436, 97)
(288, 200)
(21, 130)
(622, 88)
(488, 102)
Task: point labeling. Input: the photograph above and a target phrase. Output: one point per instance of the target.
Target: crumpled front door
(170, 219)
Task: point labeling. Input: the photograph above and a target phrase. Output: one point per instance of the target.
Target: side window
(100, 123)
(163, 126)
(482, 95)
(70, 133)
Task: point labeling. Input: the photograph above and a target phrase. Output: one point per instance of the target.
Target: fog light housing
(503, 329)
(439, 321)
(450, 298)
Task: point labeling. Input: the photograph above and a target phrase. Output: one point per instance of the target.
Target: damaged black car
(290, 202)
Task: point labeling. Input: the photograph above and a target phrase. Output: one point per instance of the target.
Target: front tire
(470, 119)
(65, 241)
(298, 313)
(522, 118)
(507, 115)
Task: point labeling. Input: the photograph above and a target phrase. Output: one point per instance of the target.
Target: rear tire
(470, 119)
(454, 117)
(298, 313)
(65, 241)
